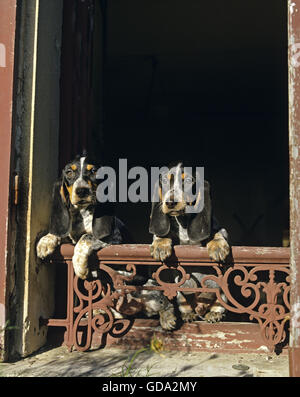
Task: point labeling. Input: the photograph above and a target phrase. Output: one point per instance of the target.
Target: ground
(110, 362)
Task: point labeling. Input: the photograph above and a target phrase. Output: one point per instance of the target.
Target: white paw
(80, 265)
(47, 245)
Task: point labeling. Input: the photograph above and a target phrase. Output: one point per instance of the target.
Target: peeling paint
(208, 340)
(2, 314)
(263, 348)
(218, 335)
(2, 56)
(295, 152)
(295, 49)
(238, 342)
(292, 8)
(294, 143)
(295, 321)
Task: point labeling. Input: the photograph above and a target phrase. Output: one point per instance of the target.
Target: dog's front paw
(82, 251)
(213, 317)
(161, 249)
(80, 265)
(189, 317)
(167, 319)
(218, 248)
(47, 245)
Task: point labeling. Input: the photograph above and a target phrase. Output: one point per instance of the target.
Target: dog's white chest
(87, 217)
(183, 234)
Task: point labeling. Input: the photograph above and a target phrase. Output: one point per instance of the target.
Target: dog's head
(76, 190)
(178, 192)
(79, 183)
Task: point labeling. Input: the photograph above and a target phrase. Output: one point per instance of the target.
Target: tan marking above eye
(89, 167)
(183, 175)
(74, 167)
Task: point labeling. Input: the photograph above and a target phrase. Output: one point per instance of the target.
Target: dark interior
(202, 81)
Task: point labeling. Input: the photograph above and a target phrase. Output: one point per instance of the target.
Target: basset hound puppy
(77, 216)
(171, 224)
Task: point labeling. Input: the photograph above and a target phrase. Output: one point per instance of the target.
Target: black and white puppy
(77, 216)
(171, 224)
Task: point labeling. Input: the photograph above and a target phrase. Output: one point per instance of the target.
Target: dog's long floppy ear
(159, 222)
(60, 217)
(200, 226)
(103, 220)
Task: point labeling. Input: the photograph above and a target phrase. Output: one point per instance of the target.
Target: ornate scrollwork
(241, 289)
(266, 301)
(96, 299)
(170, 289)
(261, 291)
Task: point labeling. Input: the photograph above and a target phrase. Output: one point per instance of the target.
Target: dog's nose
(82, 192)
(171, 204)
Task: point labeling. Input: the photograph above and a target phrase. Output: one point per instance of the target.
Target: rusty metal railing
(256, 284)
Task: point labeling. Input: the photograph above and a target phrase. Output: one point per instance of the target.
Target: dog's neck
(74, 209)
(182, 224)
(182, 220)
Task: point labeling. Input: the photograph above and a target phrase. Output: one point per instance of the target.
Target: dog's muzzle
(82, 193)
(173, 203)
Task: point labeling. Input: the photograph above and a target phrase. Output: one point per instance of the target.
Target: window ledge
(186, 253)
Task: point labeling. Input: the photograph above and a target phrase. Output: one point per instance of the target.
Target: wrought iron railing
(256, 283)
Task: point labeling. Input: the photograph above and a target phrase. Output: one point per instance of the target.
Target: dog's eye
(94, 170)
(188, 180)
(165, 180)
(70, 173)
